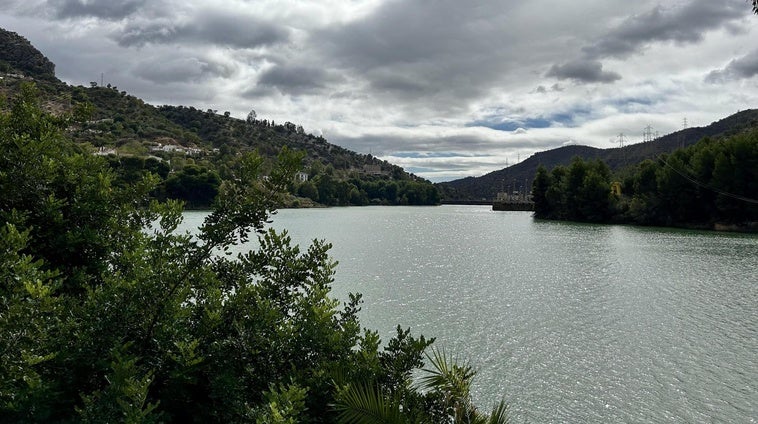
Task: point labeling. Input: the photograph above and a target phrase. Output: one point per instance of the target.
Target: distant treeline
(713, 181)
(197, 184)
(329, 191)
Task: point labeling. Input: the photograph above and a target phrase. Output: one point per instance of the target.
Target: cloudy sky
(445, 88)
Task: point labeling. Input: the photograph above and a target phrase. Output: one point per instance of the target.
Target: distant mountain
(520, 176)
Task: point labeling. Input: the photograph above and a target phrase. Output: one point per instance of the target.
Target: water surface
(569, 322)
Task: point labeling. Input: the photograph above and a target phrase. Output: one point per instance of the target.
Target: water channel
(569, 322)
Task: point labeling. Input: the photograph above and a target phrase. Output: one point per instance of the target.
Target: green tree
(62, 194)
(539, 192)
(644, 206)
(447, 395)
(196, 185)
(109, 314)
(309, 190)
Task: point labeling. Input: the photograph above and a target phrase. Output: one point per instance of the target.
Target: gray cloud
(104, 9)
(383, 145)
(740, 68)
(541, 89)
(444, 52)
(683, 24)
(210, 27)
(297, 80)
(181, 70)
(583, 71)
(413, 72)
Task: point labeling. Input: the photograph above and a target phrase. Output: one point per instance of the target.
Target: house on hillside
(189, 151)
(373, 170)
(103, 151)
(301, 177)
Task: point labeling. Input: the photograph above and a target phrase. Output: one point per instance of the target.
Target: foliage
(338, 174)
(331, 191)
(108, 314)
(196, 185)
(580, 192)
(446, 397)
(713, 181)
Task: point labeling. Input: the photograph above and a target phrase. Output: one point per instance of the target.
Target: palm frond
(499, 414)
(447, 376)
(365, 404)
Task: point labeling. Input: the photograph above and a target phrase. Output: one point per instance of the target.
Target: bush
(108, 314)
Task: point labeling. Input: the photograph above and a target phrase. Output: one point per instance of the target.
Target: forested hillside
(487, 186)
(191, 149)
(712, 184)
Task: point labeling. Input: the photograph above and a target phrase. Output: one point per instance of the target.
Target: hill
(521, 175)
(167, 139)
(18, 54)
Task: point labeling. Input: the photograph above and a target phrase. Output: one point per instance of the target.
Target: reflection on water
(571, 322)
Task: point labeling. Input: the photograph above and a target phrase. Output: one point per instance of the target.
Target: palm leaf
(447, 376)
(365, 404)
(499, 414)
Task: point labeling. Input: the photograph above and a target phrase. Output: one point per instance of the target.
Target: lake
(569, 322)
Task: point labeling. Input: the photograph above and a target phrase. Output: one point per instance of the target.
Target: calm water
(570, 323)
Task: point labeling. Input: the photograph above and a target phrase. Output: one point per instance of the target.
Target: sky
(445, 88)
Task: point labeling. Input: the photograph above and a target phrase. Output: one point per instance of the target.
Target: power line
(707, 187)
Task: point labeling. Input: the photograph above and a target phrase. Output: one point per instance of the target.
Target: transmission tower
(681, 133)
(621, 140)
(647, 134)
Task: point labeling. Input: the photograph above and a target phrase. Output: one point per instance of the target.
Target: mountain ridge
(519, 176)
(122, 125)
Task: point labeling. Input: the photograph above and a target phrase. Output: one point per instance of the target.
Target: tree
(309, 190)
(251, 117)
(580, 192)
(539, 192)
(196, 185)
(109, 314)
(447, 383)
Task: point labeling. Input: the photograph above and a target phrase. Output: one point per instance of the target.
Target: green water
(571, 323)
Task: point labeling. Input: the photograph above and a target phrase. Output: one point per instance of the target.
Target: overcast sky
(444, 88)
